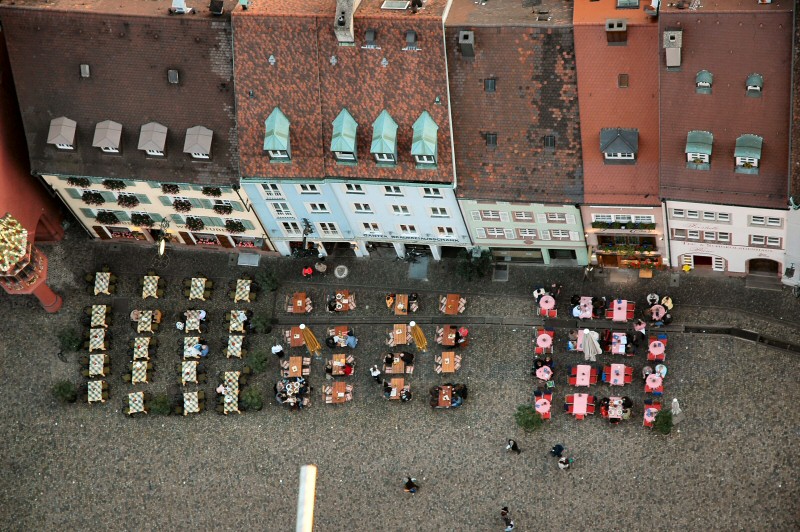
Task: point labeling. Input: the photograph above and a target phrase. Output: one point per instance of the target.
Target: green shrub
(65, 392)
(82, 182)
(251, 399)
(267, 280)
(160, 405)
(663, 422)
(114, 184)
(257, 361)
(262, 324)
(528, 418)
(70, 340)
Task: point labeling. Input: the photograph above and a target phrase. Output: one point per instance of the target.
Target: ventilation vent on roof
(673, 40)
(411, 40)
(85, 71)
(179, 8)
(216, 7)
(371, 38)
(172, 76)
(617, 31)
(396, 4)
(466, 41)
(343, 23)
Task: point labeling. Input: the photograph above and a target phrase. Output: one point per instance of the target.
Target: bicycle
(411, 256)
(796, 290)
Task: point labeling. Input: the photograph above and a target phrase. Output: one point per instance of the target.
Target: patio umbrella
(419, 337)
(311, 341)
(591, 346)
(464, 332)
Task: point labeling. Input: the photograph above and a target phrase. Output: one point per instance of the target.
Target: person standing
(410, 485)
(376, 373)
(557, 450)
(564, 463)
(512, 446)
(277, 350)
(587, 272)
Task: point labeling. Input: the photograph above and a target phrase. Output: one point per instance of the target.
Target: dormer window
(755, 84)
(153, 139)
(411, 40)
(107, 135)
(619, 145)
(424, 142)
(703, 81)
(198, 142)
(698, 150)
(616, 32)
(748, 154)
(343, 140)
(276, 137)
(62, 133)
(384, 139)
(371, 38)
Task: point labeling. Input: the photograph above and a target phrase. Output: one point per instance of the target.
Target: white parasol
(591, 345)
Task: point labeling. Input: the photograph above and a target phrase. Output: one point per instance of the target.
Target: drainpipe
(583, 230)
(666, 231)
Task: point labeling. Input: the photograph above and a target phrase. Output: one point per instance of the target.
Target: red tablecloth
(579, 402)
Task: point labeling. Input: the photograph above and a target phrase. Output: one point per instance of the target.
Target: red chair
(593, 378)
(579, 416)
(590, 409)
(573, 381)
(629, 314)
(569, 408)
(609, 313)
(548, 396)
(542, 312)
(656, 358)
(545, 415)
(539, 350)
(628, 370)
(552, 313)
(628, 379)
(569, 399)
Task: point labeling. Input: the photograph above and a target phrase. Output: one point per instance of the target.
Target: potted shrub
(257, 360)
(663, 422)
(267, 280)
(181, 205)
(114, 184)
(194, 224)
(160, 405)
(223, 209)
(234, 226)
(169, 188)
(82, 182)
(107, 218)
(92, 198)
(69, 340)
(142, 220)
(251, 399)
(214, 192)
(528, 418)
(262, 324)
(128, 201)
(600, 225)
(65, 391)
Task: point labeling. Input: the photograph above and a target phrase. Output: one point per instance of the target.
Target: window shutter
(248, 225)
(504, 216)
(154, 184)
(89, 213)
(129, 183)
(156, 217)
(571, 219)
(178, 219)
(480, 232)
(476, 216)
(207, 203)
(541, 218)
(143, 199)
(123, 216)
(165, 201)
(73, 193)
(196, 203)
(237, 206)
(218, 222)
(109, 196)
(544, 234)
(97, 180)
(509, 233)
(573, 235)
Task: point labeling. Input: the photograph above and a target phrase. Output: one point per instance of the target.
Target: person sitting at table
(652, 299)
(576, 311)
(281, 398)
(666, 302)
(308, 272)
(537, 363)
(388, 360)
(347, 369)
(201, 315)
(434, 391)
(407, 358)
(329, 369)
(387, 390)
(460, 390)
(332, 304)
(390, 300)
(350, 341)
(626, 413)
(434, 401)
(548, 362)
(200, 350)
(573, 334)
(330, 341)
(665, 320)
(575, 300)
(457, 400)
(405, 395)
(646, 372)
(627, 402)
(603, 410)
(413, 302)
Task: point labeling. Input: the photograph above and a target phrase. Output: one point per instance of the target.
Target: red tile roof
(731, 46)
(592, 12)
(536, 95)
(314, 78)
(604, 105)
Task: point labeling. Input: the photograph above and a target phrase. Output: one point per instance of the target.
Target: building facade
(725, 134)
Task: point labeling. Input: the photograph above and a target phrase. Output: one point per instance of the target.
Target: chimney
(466, 41)
(179, 8)
(217, 7)
(343, 22)
(653, 8)
(672, 45)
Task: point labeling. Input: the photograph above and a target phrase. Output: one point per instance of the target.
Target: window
(328, 228)
(278, 154)
(108, 149)
(607, 218)
(362, 208)
(344, 156)
(439, 212)
(754, 84)
(291, 228)
(154, 153)
(723, 217)
(556, 217)
(709, 235)
(747, 162)
(757, 240)
(703, 81)
(489, 85)
(401, 210)
(317, 207)
(281, 209)
(384, 158)
(723, 237)
(693, 234)
(697, 157)
(490, 215)
(172, 76)
(198, 155)
(694, 215)
(411, 40)
(622, 81)
(549, 142)
(622, 218)
(309, 189)
(425, 159)
(85, 72)
(429, 192)
(644, 219)
(445, 232)
(369, 37)
(678, 213)
(353, 189)
(775, 222)
(757, 220)
(619, 156)
(65, 146)
(408, 229)
(495, 232)
(491, 140)
(391, 190)
(774, 241)
(523, 216)
(709, 216)
(371, 227)
(526, 233)
(271, 189)
(679, 233)
(559, 234)
(627, 4)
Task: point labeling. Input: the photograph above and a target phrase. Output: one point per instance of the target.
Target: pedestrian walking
(512, 446)
(509, 524)
(308, 273)
(376, 373)
(564, 463)
(410, 485)
(557, 450)
(277, 350)
(587, 272)
(504, 512)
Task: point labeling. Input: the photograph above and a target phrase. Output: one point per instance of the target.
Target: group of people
(625, 402)
(666, 302)
(599, 305)
(539, 362)
(459, 393)
(292, 391)
(346, 340)
(405, 393)
(413, 301)
(405, 356)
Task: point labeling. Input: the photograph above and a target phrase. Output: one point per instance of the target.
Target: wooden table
(448, 362)
(295, 366)
(401, 305)
(449, 336)
(339, 392)
(343, 301)
(445, 396)
(299, 303)
(296, 337)
(397, 384)
(398, 366)
(451, 305)
(400, 333)
(337, 363)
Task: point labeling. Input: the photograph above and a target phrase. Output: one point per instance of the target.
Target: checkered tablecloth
(96, 363)
(136, 402)
(101, 282)
(189, 371)
(150, 286)
(235, 346)
(237, 321)
(145, 321)
(140, 345)
(98, 315)
(95, 391)
(197, 289)
(242, 290)
(188, 343)
(231, 401)
(192, 320)
(97, 339)
(191, 403)
(138, 371)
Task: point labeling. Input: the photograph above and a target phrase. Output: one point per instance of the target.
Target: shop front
(628, 251)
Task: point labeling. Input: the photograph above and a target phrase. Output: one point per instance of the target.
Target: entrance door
(608, 261)
(101, 232)
(703, 261)
(762, 266)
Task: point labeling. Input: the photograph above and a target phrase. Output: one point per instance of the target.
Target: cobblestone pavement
(730, 464)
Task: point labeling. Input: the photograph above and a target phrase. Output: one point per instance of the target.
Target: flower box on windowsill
(207, 242)
(245, 244)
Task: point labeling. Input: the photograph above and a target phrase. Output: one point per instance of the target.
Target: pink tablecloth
(544, 373)
(586, 307)
(544, 340)
(654, 380)
(657, 311)
(579, 402)
(583, 375)
(650, 414)
(579, 342)
(617, 345)
(542, 406)
(620, 310)
(617, 376)
(547, 302)
(657, 347)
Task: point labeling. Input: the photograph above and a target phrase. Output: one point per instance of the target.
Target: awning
(62, 131)
(699, 142)
(619, 140)
(748, 146)
(424, 141)
(107, 135)
(344, 133)
(276, 136)
(198, 140)
(384, 134)
(153, 137)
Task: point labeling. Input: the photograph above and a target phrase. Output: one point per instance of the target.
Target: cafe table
(449, 336)
(235, 346)
(448, 362)
(401, 305)
(138, 371)
(654, 381)
(238, 317)
(145, 323)
(618, 342)
(657, 312)
(189, 371)
(650, 414)
(344, 301)
(583, 375)
(397, 385)
(192, 320)
(337, 363)
(615, 408)
(339, 393)
(99, 315)
(231, 395)
(400, 333)
(97, 362)
(296, 337)
(451, 304)
(150, 286)
(445, 396)
(188, 347)
(95, 392)
(579, 403)
(542, 405)
(299, 303)
(191, 403)
(544, 373)
(242, 292)
(547, 302)
(620, 310)
(657, 347)
(102, 280)
(197, 289)
(616, 376)
(141, 345)
(136, 402)
(97, 339)
(295, 366)
(586, 307)
(544, 340)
